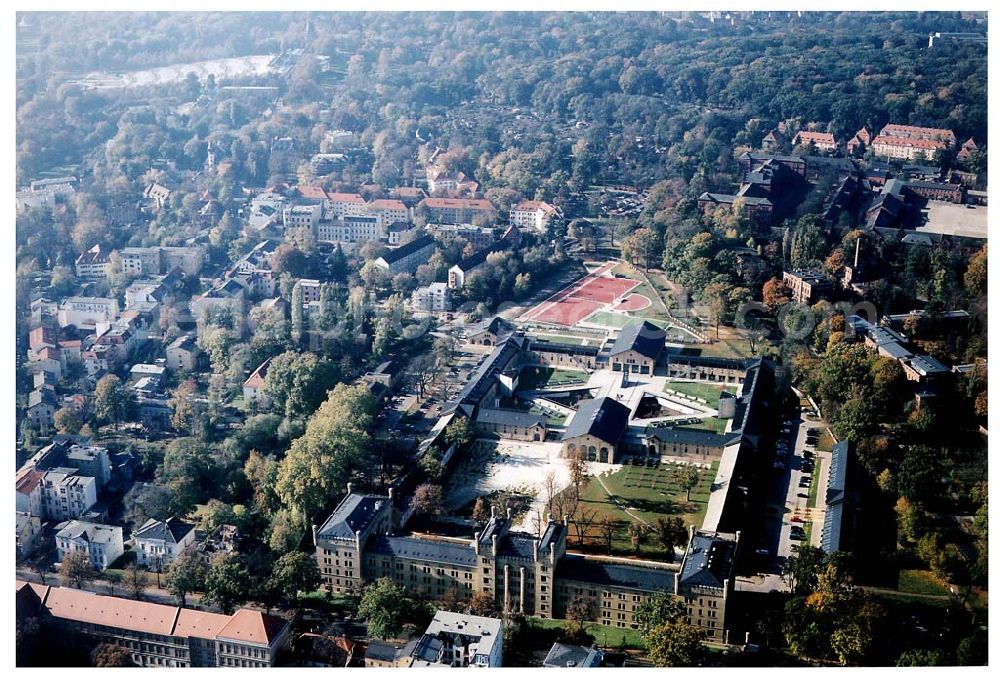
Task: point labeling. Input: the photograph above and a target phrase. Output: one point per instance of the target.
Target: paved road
(795, 504)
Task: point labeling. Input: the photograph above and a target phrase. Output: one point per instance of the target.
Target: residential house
(564, 655)
(458, 640)
(253, 387)
(435, 297)
(140, 261)
(86, 312)
(897, 141)
(160, 543)
(339, 204)
(28, 528)
(533, 214)
(94, 263)
(819, 140)
(182, 354)
(67, 494)
(395, 231)
(448, 210)
(157, 195)
(103, 544)
(42, 407)
(388, 211)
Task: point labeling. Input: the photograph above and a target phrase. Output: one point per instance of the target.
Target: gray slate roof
(645, 338)
(603, 418)
(708, 561)
(424, 549)
(503, 416)
(354, 514)
(573, 567)
(172, 530)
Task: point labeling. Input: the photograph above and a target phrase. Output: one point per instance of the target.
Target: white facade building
(103, 544)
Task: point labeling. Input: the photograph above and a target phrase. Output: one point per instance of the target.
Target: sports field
(582, 298)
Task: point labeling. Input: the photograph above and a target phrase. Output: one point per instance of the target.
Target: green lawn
(825, 443)
(921, 582)
(606, 637)
(807, 527)
(535, 377)
(814, 486)
(713, 424)
(706, 391)
(649, 493)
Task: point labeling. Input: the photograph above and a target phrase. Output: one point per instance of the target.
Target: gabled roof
(603, 418)
(172, 530)
(256, 378)
(199, 624)
(501, 416)
(641, 336)
(253, 626)
(81, 606)
(405, 250)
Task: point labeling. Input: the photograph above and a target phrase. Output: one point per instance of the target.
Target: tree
(188, 411)
(110, 399)
(576, 464)
(636, 533)
(801, 572)
(186, 574)
(459, 432)
(579, 611)
(288, 259)
(658, 609)
(298, 383)
(76, 569)
(111, 655)
(373, 275)
(133, 580)
(295, 573)
(385, 606)
(428, 499)
(483, 604)
(670, 533)
(676, 644)
(687, 478)
(67, 421)
(776, 293)
(607, 526)
(226, 582)
(480, 511)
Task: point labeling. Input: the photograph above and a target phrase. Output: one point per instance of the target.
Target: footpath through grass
(641, 493)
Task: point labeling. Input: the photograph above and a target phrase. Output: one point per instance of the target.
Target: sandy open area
(513, 465)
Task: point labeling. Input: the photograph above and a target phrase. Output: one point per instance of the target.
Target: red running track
(580, 299)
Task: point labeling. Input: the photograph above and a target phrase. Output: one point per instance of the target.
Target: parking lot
(798, 465)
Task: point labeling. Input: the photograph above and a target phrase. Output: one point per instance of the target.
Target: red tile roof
(345, 197)
(27, 479)
(256, 378)
(917, 132)
(816, 137)
(534, 205)
(387, 204)
(447, 202)
(252, 626)
(903, 142)
(312, 192)
(81, 606)
(199, 624)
